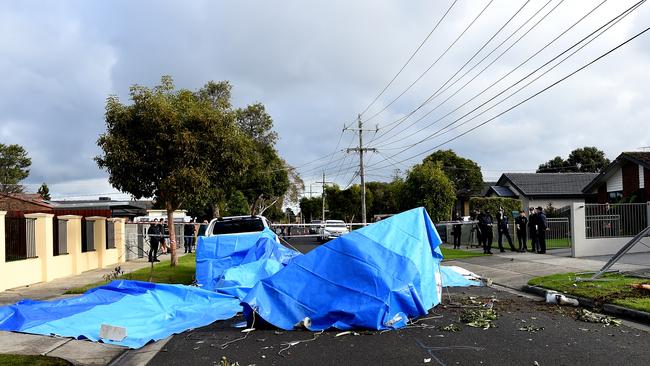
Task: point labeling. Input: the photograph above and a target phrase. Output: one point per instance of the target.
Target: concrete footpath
(508, 269)
(76, 351)
(514, 270)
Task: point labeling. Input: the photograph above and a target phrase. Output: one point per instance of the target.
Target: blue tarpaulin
(376, 277)
(148, 311)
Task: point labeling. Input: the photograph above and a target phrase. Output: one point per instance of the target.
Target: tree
(310, 208)
(236, 205)
(268, 179)
(173, 145)
(464, 173)
(588, 159)
(14, 167)
(555, 165)
(427, 185)
(44, 192)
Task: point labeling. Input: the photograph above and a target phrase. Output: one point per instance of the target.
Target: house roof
(502, 191)
(548, 184)
(486, 188)
(641, 158)
(34, 199)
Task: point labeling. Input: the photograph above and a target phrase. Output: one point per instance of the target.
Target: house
(103, 207)
(21, 203)
(627, 179)
(542, 189)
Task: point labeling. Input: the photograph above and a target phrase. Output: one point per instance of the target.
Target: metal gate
(20, 241)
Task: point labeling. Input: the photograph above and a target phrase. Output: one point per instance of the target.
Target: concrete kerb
(609, 309)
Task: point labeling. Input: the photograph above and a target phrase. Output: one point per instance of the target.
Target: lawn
(22, 360)
(162, 273)
(451, 254)
(614, 288)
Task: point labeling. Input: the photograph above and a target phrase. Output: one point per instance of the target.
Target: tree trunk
(172, 234)
(215, 211)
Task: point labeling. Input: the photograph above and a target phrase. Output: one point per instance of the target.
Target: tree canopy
(464, 173)
(173, 145)
(44, 192)
(14, 167)
(588, 159)
(427, 185)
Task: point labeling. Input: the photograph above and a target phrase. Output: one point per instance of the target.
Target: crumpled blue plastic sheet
(151, 311)
(261, 252)
(376, 277)
(148, 311)
(453, 278)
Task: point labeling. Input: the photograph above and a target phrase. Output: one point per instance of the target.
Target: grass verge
(162, 273)
(614, 288)
(451, 254)
(22, 360)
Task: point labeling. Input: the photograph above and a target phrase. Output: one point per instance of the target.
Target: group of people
(158, 233)
(534, 226)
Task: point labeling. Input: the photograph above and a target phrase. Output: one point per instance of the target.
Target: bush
(493, 204)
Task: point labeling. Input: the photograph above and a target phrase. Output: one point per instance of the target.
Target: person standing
(161, 229)
(485, 225)
(503, 230)
(521, 224)
(542, 226)
(456, 230)
(532, 229)
(188, 236)
(153, 232)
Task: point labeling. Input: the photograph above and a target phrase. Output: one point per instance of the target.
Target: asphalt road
(562, 341)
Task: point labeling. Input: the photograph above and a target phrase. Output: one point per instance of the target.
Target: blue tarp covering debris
(458, 277)
(376, 277)
(148, 311)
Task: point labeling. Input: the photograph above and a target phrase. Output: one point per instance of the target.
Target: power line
(498, 80)
(432, 65)
(409, 59)
(438, 92)
(532, 96)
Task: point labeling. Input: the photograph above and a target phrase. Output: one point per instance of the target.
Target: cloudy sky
(318, 64)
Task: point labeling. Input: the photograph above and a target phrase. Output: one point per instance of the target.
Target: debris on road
(591, 317)
(555, 298)
(479, 318)
(451, 328)
(530, 328)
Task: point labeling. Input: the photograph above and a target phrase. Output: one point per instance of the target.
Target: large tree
(427, 185)
(14, 167)
(173, 145)
(44, 192)
(464, 173)
(588, 159)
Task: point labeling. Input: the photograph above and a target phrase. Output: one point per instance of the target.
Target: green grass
(183, 273)
(22, 360)
(614, 288)
(451, 254)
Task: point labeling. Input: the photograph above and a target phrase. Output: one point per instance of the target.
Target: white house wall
(615, 182)
(556, 203)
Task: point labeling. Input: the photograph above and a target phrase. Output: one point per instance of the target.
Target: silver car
(332, 229)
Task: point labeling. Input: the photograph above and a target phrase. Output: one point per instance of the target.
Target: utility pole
(323, 183)
(361, 150)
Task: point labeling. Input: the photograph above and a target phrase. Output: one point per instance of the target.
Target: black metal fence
(20, 241)
(60, 236)
(615, 220)
(87, 236)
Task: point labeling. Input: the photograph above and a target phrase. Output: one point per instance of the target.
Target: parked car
(314, 229)
(332, 229)
(236, 225)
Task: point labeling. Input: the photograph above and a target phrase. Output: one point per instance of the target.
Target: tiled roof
(639, 157)
(543, 184)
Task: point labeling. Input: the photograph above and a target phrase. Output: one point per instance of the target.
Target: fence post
(120, 238)
(44, 241)
(647, 213)
(99, 239)
(73, 240)
(578, 229)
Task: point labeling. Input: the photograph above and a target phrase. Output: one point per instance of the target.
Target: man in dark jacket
(154, 239)
(532, 229)
(542, 226)
(521, 224)
(485, 225)
(502, 226)
(188, 233)
(456, 230)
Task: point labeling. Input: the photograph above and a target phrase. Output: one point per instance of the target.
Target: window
(614, 197)
(238, 225)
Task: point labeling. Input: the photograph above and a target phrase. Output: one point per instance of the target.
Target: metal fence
(558, 234)
(615, 220)
(60, 236)
(87, 236)
(20, 238)
(110, 235)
